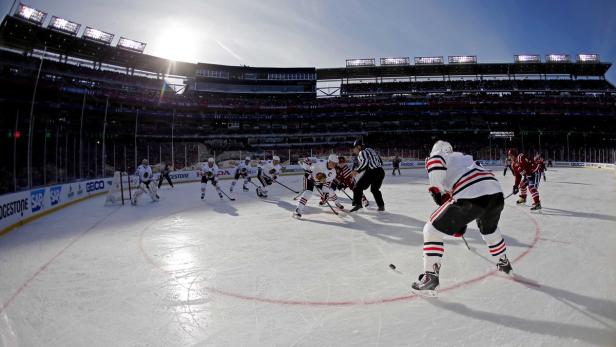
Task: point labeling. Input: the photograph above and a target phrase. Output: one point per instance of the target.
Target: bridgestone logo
(13, 207)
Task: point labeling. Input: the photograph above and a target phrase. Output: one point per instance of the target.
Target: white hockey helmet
(247, 158)
(441, 147)
(210, 160)
(333, 158)
(144, 162)
(276, 158)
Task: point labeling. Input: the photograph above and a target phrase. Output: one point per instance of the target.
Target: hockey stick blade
(327, 202)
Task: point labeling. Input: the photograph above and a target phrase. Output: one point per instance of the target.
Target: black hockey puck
(392, 266)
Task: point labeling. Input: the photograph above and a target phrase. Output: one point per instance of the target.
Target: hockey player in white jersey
(242, 171)
(464, 191)
(209, 172)
(320, 175)
(144, 173)
(267, 173)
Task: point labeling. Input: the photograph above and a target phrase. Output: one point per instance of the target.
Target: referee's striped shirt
(368, 159)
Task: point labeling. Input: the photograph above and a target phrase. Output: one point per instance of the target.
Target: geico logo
(96, 185)
(176, 176)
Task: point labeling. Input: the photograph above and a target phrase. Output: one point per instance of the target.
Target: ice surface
(218, 273)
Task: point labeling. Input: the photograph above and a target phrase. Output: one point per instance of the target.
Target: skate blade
(425, 293)
(296, 217)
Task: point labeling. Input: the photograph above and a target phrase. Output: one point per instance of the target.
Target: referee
(371, 165)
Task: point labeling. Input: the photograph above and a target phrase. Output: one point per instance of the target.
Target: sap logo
(54, 195)
(577, 164)
(36, 199)
(71, 193)
(94, 186)
(79, 189)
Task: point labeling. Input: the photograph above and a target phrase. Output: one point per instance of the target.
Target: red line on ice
(352, 302)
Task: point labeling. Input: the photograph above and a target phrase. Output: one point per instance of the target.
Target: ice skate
(504, 265)
(297, 214)
(426, 284)
(355, 208)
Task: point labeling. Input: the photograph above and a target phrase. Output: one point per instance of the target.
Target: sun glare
(176, 42)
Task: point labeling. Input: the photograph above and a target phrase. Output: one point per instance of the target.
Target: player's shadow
(408, 234)
(285, 205)
(581, 303)
(223, 207)
(566, 213)
(595, 336)
(576, 183)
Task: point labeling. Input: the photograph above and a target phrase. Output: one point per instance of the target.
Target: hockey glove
(438, 196)
(516, 190)
(460, 232)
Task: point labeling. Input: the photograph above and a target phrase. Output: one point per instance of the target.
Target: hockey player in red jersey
(527, 178)
(344, 179)
(464, 191)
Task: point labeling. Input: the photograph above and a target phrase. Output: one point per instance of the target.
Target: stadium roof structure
(574, 69)
(19, 34)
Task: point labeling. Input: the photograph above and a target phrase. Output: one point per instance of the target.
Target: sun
(176, 41)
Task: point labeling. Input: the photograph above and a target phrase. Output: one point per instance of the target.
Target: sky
(323, 33)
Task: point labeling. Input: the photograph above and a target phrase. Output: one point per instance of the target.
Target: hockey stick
(466, 243)
(510, 194)
(225, 194)
(345, 193)
(294, 191)
(326, 201)
(298, 195)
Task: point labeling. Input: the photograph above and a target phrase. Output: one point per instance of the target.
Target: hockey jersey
(461, 176)
(144, 172)
(242, 168)
(330, 174)
(343, 175)
(209, 171)
(523, 166)
(269, 169)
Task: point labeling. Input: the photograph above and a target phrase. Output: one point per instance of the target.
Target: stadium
(84, 110)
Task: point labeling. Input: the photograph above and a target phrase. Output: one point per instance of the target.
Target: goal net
(120, 190)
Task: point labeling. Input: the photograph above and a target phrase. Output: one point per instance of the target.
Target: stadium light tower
(131, 45)
(63, 25)
(30, 14)
(588, 58)
(527, 58)
(365, 62)
(97, 35)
